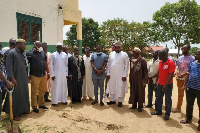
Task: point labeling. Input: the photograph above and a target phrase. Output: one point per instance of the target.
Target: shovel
(12, 128)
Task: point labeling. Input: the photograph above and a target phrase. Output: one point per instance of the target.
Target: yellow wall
(72, 15)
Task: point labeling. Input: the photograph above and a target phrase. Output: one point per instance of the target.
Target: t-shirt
(194, 77)
(183, 64)
(98, 59)
(164, 70)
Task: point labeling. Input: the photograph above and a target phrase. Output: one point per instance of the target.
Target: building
(41, 20)
(174, 52)
(150, 49)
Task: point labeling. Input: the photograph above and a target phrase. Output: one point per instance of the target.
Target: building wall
(52, 18)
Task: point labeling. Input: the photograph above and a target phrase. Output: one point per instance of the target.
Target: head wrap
(20, 40)
(137, 50)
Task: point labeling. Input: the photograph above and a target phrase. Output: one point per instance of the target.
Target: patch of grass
(24, 129)
(4, 124)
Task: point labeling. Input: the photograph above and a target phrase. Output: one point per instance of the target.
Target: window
(29, 27)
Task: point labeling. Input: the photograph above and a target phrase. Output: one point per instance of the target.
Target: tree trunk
(178, 49)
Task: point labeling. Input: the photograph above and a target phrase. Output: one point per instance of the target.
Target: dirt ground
(84, 118)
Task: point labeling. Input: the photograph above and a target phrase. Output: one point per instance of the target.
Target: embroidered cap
(20, 40)
(137, 50)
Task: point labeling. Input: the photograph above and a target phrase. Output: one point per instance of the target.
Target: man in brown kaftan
(138, 79)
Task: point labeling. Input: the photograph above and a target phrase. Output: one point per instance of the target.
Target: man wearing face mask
(98, 62)
(38, 67)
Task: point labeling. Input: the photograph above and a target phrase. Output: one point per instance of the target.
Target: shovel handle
(11, 107)
(10, 103)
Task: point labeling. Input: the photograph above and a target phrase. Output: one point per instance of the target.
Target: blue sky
(130, 10)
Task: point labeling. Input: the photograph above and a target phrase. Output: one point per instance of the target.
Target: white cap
(59, 44)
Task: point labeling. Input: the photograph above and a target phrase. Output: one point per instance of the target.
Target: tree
(141, 34)
(90, 33)
(115, 30)
(130, 34)
(178, 22)
(193, 50)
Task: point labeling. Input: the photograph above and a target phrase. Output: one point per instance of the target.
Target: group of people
(70, 74)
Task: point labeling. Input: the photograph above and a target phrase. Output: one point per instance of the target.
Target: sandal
(16, 119)
(185, 121)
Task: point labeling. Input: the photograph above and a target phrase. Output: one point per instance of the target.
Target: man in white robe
(59, 73)
(88, 87)
(117, 70)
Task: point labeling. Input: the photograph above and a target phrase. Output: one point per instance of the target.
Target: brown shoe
(29, 112)
(176, 110)
(16, 119)
(90, 98)
(185, 121)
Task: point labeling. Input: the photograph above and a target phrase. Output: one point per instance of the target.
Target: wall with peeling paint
(48, 10)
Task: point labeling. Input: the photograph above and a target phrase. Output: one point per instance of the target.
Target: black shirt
(37, 63)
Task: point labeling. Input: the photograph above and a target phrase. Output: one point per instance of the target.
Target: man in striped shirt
(192, 81)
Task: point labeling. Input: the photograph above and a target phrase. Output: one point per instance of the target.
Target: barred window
(29, 27)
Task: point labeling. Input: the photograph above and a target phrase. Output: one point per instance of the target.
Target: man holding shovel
(17, 73)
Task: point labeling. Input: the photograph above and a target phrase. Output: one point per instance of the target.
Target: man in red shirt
(166, 71)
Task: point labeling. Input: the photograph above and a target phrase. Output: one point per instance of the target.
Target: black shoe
(156, 113)
(198, 128)
(148, 106)
(101, 104)
(132, 108)
(54, 104)
(166, 117)
(44, 107)
(111, 102)
(139, 109)
(47, 100)
(120, 104)
(36, 110)
(94, 102)
(65, 103)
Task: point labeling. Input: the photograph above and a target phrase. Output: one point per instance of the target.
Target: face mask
(40, 49)
(99, 53)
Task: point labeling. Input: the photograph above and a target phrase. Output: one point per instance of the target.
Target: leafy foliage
(90, 32)
(178, 22)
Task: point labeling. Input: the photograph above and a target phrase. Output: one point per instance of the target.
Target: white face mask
(40, 49)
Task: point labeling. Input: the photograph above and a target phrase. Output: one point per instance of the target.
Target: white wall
(52, 18)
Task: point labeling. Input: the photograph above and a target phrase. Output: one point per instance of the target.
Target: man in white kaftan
(88, 87)
(59, 73)
(117, 70)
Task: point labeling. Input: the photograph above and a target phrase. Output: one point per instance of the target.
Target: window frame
(28, 19)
